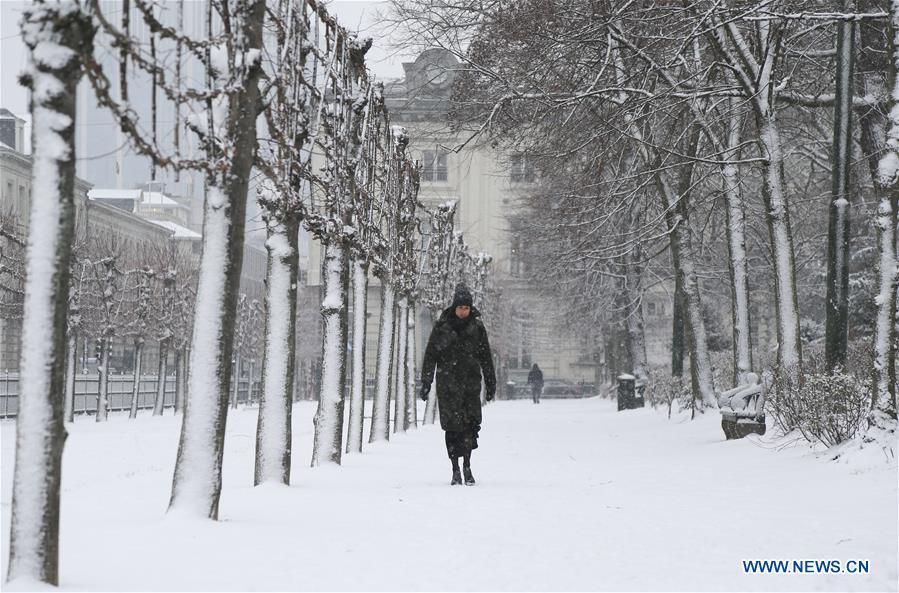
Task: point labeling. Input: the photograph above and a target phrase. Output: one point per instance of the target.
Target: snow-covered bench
(743, 409)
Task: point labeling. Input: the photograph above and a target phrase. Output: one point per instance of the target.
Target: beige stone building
(485, 183)
(92, 218)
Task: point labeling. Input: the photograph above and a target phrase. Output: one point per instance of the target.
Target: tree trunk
(411, 396)
(71, 363)
(135, 388)
(179, 380)
(380, 421)
(681, 244)
(634, 318)
(273, 429)
(197, 481)
(887, 183)
(55, 35)
(235, 388)
(357, 393)
(187, 373)
(736, 247)
(329, 417)
(159, 402)
(611, 360)
(885, 322)
(251, 382)
(103, 380)
(837, 309)
(677, 328)
(399, 366)
(789, 348)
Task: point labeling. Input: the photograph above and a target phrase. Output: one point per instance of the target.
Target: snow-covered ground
(571, 495)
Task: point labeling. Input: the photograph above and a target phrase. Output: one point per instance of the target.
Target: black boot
(457, 477)
(469, 479)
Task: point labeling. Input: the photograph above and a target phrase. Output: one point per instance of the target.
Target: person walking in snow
(535, 380)
(459, 350)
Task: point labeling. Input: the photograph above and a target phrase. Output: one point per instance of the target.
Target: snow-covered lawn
(570, 495)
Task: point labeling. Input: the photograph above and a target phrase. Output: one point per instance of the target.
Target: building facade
(485, 183)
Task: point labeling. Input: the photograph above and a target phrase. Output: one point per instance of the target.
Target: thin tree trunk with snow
(197, 481)
(837, 308)
(884, 375)
(789, 347)
(329, 417)
(357, 393)
(885, 321)
(235, 388)
(251, 382)
(634, 319)
(159, 402)
(411, 396)
(103, 380)
(399, 373)
(678, 334)
(380, 421)
(135, 387)
(682, 257)
(71, 364)
(55, 35)
(179, 380)
(737, 260)
(273, 429)
(681, 254)
(756, 76)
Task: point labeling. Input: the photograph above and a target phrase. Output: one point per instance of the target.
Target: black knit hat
(462, 296)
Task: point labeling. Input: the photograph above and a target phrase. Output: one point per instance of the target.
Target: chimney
(12, 130)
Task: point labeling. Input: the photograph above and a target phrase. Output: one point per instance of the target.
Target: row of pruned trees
(120, 292)
(283, 95)
(706, 142)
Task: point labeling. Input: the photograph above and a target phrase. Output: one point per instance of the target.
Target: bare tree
(887, 182)
(139, 329)
(57, 35)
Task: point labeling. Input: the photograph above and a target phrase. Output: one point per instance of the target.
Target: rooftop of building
(180, 232)
(151, 198)
(7, 114)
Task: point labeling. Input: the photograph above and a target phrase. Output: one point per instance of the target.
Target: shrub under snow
(827, 408)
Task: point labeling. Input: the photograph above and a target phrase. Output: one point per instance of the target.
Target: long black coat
(460, 351)
(535, 377)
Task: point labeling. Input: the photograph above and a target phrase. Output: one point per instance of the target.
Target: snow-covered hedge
(825, 408)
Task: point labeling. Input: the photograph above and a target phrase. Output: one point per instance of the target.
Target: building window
(521, 169)
(435, 167)
(651, 308)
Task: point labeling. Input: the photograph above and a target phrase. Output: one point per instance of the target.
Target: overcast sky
(354, 14)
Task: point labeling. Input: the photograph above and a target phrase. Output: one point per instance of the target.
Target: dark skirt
(460, 443)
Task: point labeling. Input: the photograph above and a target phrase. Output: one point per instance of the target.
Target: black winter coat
(460, 351)
(535, 377)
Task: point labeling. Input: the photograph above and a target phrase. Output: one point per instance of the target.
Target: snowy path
(570, 495)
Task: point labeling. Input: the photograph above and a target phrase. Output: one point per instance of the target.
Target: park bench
(743, 409)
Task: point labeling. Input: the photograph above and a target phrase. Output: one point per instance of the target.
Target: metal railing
(87, 390)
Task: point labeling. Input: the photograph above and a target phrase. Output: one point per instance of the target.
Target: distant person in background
(535, 380)
(459, 349)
